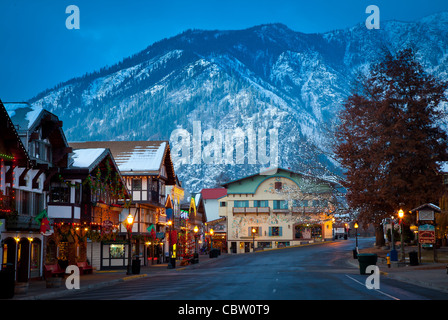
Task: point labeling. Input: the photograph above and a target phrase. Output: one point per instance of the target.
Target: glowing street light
(129, 223)
(253, 238)
(356, 237)
(196, 256)
(401, 215)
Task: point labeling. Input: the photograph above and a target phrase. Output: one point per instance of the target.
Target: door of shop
(23, 261)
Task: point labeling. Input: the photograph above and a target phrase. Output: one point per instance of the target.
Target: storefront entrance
(23, 254)
(308, 231)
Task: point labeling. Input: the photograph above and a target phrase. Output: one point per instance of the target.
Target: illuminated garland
(112, 186)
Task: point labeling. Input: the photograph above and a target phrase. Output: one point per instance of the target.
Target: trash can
(214, 253)
(7, 282)
(195, 258)
(413, 258)
(365, 260)
(172, 263)
(136, 266)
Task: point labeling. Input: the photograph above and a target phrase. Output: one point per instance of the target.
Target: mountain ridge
(267, 75)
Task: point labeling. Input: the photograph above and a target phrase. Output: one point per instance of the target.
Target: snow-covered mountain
(266, 76)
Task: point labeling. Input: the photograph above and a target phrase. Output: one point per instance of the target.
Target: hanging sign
(107, 226)
(426, 233)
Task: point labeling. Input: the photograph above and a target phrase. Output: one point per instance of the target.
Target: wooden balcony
(255, 210)
(21, 222)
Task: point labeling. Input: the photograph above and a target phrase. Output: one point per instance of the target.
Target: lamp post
(195, 230)
(401, 215)
(171, 265)
(129, 223)
(253, 238)
(356, 238)
(196, 256)
(211, 239)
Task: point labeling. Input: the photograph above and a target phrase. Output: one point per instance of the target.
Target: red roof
(213, 193)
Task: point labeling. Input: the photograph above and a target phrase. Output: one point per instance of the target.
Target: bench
(84, 268)
(53, 270)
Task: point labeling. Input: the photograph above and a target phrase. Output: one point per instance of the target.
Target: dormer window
(40, 150)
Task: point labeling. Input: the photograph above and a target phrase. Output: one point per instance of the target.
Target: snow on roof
(443, 166)
(141, 158)
(23, 114)
(131, 156)
(84, 158)
(197, 198)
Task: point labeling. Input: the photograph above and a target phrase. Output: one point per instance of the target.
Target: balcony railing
(252, 210)
(20, 222)
(308, 209)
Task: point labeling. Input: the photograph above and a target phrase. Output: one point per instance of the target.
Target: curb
(294, 246)
(92, 286)
(424, 284)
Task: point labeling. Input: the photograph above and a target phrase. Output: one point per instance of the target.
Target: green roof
(249, 184)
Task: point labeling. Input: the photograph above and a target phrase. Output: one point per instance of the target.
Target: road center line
(376, 290)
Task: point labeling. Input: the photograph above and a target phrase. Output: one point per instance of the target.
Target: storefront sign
(107, 226)
(426, 233)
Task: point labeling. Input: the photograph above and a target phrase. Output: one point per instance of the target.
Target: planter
(21, 288)
(54, 282)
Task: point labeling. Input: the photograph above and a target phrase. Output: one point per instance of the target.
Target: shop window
(265, 245)
(116, 251)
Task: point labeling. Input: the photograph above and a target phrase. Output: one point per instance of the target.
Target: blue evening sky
(38, 51)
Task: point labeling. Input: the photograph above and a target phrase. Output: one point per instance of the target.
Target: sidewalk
(37, 289)
(428, 274)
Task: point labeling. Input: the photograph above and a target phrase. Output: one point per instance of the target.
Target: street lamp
(211, 239)
(401, 215)
(356, 237)
(195, 230)
(253, 238)
(196, 256)
(129, 223)
(171, 261)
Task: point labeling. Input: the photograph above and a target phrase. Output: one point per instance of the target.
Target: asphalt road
(315, 272)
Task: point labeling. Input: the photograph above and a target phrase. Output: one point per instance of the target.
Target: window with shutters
(261, 203)
(275, 231)
(280, 204)
(241, 203)
(257, 231)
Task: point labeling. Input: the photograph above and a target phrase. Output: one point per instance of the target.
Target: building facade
(277, 210)
(147, 169)
(211, 198)
(27, 186)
